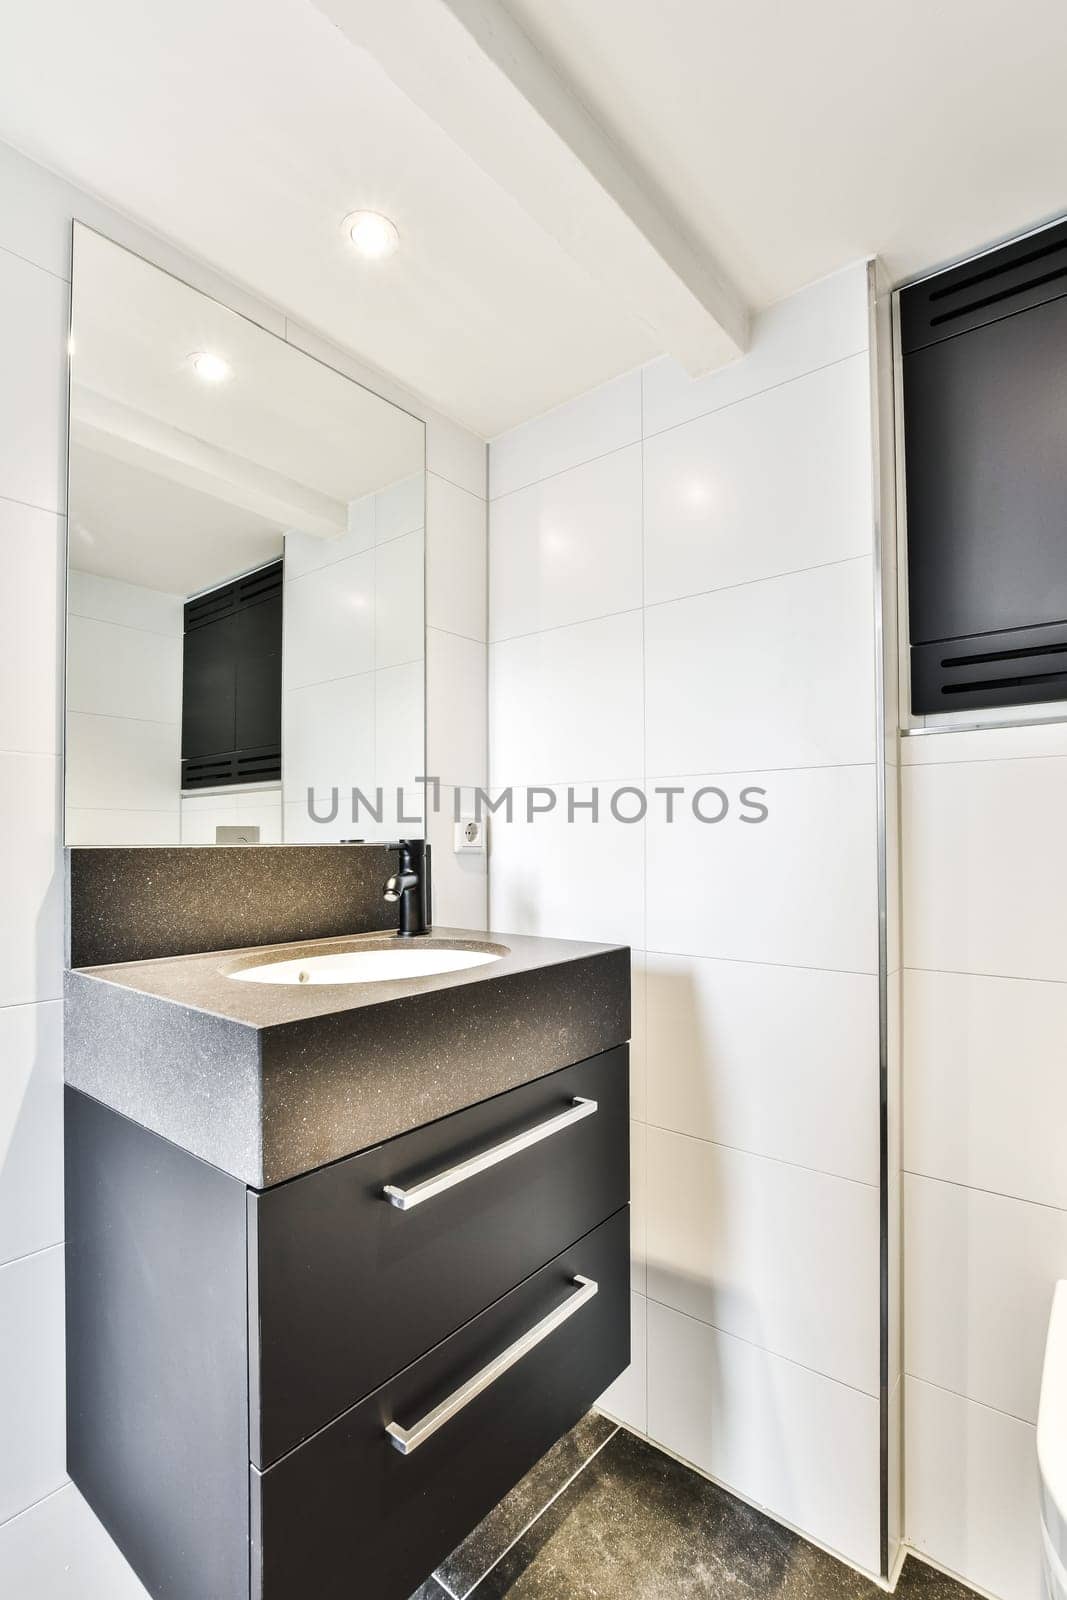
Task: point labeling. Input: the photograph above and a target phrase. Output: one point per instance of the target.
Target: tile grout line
(682, 599)
(35, 1504)
(978, 1188)
(775, 1355)
(970, 1399)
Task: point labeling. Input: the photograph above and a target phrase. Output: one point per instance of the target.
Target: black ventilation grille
(1026, 273)
(263, 584)
(238, 766)
(990, 669)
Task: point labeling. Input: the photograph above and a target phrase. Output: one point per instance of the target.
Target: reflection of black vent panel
(985, 431)
(232, 683)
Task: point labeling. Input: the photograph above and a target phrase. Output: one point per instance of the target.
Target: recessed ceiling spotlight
(373, 235)
(211, 368)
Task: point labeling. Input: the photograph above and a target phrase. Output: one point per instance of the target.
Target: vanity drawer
(347, 1288)
(349, 1514)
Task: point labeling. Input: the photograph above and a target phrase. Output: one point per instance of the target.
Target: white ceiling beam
(111, 428)
(469, 66)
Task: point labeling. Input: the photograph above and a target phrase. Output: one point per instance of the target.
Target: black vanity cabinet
(232, 682)
(318, 1389)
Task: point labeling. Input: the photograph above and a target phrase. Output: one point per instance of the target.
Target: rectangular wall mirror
(245, 578)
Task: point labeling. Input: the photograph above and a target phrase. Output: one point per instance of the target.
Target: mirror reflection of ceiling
(178, 483)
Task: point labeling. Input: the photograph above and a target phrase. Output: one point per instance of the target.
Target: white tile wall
(329, 622)
(60, 1550)
(605, 419)
(985, 1093)
(784, 668)
(767, 1059)
(568, 548)
(797, 889)
(761, 1249)
(455, 559)
(823, 324)
(784, 1437)
(31, 1128)
(985, 1201)
(399, 620)
(565, 705)
(31, 609)
(700, 601)
(32, 1364)
(981, 1273)
(456, 732)
(717, 514)
(34, 319)
(971, 1491)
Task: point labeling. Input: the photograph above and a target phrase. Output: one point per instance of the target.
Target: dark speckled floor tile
(492, 1537)
(638, 1526)
(920, 1582)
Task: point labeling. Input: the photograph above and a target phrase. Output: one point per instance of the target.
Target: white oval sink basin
(368, 966)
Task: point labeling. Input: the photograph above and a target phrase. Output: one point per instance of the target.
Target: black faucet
(410, 885)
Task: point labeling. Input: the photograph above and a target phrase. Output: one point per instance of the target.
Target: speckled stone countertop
(270, 1080)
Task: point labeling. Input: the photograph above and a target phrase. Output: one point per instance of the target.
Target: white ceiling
(781, 139)
(133, 525)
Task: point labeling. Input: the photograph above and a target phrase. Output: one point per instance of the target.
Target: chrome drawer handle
(404, 1199)
(408, 1439)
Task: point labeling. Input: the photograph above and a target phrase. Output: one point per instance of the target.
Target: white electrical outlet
(470, 836)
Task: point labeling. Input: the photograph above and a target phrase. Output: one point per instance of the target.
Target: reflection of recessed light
(373, 235)
(211, 368)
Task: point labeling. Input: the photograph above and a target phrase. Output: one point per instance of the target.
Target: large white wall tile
(456, 732)
(569, 880)
(455, 560)
(32, 1362)
(31, 928)
(985, 1092)
(117, 671)
(782, 672)
(400, 509)
(399, 725)
(31, 628)
(566, 705)
(796, 889)
(822, 324)
(762, 1249)
(1019, 743)
(780, 1061)
(971, 1491)
(778, 1434)
(329, 622)
(59, 1550)
(129, 605)
(399, 593)
(985, 867)
(121, 764)
(604, 419)
(31, 1128)
(980, 1271)
(328, 736)
(568, 548)
(776, 484)
(34, 318)
(625, 1400)
(457, 454)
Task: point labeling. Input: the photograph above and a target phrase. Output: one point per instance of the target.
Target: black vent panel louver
(238, 766)
(1025, 667)
(1027, 273)
(984, 385)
